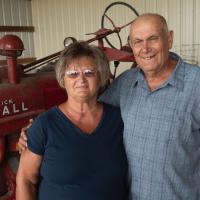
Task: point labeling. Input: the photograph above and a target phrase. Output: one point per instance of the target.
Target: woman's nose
(82, 76)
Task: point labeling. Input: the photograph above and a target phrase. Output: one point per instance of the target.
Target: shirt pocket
(178, 124)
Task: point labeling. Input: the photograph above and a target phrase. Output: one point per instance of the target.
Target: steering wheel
(108, 8)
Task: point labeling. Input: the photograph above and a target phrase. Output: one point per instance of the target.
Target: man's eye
(154, 38)
(137, 42)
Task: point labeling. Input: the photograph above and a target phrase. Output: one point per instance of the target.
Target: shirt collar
(176, 78)
(139, 78)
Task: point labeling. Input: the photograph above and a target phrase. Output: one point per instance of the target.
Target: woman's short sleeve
(37, 137)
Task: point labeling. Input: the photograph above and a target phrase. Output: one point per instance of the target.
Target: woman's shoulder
(111, 109)
(112, 115)
(110, 106)
(47, 115)
(43, 120)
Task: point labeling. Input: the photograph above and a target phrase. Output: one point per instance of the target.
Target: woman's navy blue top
(78, 166)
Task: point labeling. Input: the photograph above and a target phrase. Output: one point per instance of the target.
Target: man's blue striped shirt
(162, 132)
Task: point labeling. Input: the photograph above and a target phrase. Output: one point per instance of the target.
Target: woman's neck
(85, 115)
(80, 107)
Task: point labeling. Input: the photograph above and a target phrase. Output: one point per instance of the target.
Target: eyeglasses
(88, 73)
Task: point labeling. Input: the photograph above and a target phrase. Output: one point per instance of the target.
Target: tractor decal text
(9, 107)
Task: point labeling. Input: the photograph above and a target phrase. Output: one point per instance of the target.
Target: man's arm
(112, 94)
(196, 108)
(22, 142)
(28, 176)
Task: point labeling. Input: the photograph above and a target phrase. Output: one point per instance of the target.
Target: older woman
(75, 150)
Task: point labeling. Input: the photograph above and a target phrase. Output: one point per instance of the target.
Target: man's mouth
(148, 57)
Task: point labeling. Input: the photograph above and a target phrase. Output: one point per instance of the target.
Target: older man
(160, 106)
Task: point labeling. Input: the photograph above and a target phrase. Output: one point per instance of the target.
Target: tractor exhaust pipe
(12, 47)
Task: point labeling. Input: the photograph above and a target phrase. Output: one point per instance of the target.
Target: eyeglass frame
(87, 73)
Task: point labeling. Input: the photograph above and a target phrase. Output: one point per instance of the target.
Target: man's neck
(154, 80)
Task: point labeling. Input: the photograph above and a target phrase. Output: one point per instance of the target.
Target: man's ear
(170, 39)
(129, 41)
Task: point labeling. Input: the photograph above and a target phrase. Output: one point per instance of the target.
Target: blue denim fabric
(161, 133)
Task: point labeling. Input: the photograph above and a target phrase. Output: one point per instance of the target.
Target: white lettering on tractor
(5, 111)
(15, 109)
(9, 107)
(23, 107)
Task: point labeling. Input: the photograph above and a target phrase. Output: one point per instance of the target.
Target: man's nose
(145, 47)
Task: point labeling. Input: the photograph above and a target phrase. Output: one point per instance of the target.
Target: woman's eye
(72, 73)
(89, 72)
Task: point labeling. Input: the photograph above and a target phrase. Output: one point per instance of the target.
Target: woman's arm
(28, 176)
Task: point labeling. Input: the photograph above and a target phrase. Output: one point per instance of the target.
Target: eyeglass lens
(86, 72)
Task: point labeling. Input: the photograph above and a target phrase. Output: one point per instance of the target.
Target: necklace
(85, 121)
(77, 116)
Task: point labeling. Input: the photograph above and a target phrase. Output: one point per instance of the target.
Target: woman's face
(82, 80)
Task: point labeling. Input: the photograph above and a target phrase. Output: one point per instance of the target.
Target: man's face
(150, 44)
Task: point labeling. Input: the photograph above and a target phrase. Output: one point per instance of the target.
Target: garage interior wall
(18, 13)
(54, 20)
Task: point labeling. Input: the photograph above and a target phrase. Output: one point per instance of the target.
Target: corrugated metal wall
(54, 20)
(18, 13)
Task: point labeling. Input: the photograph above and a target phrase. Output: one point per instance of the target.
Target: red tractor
(24, 95)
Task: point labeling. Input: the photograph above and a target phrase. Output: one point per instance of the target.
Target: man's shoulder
(129, 72)
(128, 75)
(183, 65)
(192, 70)
(191, 78)
(192, 67)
